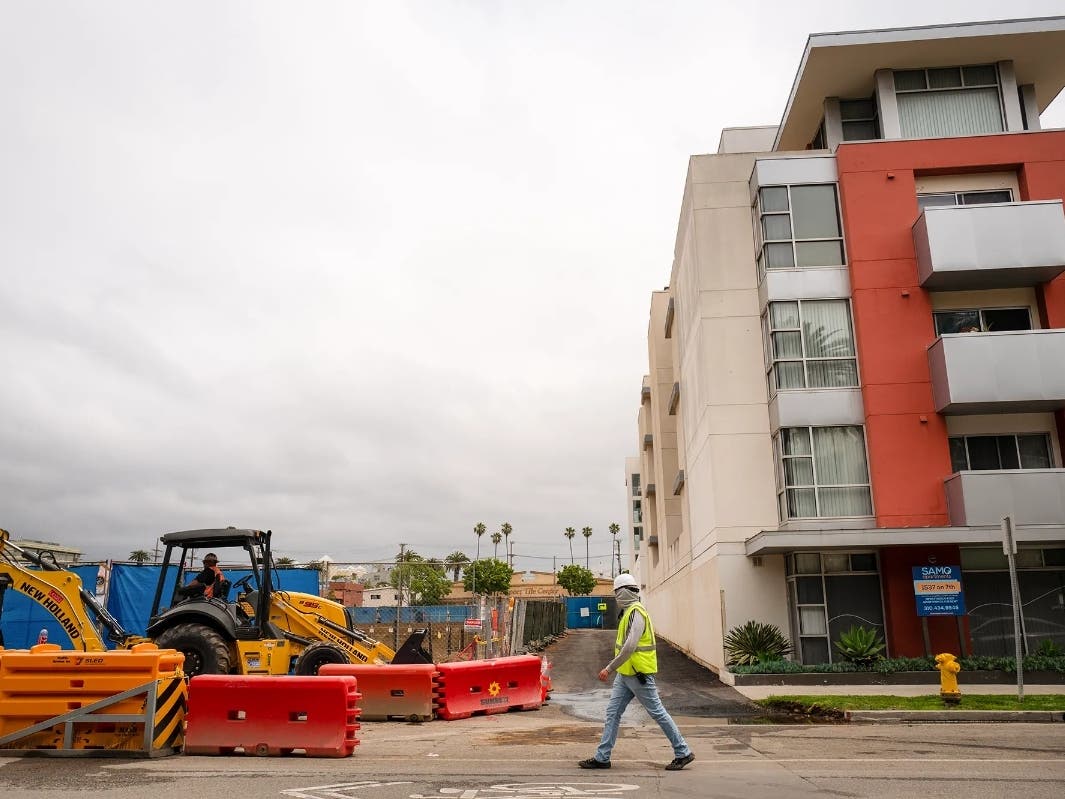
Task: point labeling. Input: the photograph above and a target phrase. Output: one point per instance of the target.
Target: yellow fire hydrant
(948, 678)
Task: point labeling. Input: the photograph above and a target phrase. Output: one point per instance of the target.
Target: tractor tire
(205, 650)
(317, 655)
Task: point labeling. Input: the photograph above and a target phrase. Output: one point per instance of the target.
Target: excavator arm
(304, 625)
(61, 593)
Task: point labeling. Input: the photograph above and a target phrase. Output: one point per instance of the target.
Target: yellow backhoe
(264, 630)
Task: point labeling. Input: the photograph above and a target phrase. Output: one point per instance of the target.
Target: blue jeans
(625, 688)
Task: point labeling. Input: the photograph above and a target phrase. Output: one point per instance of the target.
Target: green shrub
(755, 642)
(772, 667)
(895, 665)
(1048, 648)
(860, 645)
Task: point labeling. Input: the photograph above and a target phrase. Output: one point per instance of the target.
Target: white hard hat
(625, 580)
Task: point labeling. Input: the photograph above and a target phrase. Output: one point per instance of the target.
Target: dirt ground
(686, 688)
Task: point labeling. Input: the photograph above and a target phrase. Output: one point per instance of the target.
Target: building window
(954, 101)
(810, 344)
(952, 198)
(829, 592)
(859, 119)
(635, 482)
(799, 226)
(982, 320)
(988, 594)
(637, 512)
(976, 453)
(822, 472)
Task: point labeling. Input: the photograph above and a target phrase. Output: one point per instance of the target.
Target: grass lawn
(793, 704)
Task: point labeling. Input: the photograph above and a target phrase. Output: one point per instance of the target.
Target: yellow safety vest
(645, 659)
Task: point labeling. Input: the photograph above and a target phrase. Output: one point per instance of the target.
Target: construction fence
(499, 627)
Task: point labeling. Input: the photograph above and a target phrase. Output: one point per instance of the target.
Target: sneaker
(680, 762)
(593, 763)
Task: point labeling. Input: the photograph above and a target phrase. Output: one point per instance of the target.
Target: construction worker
(207, 581)
(636, 663)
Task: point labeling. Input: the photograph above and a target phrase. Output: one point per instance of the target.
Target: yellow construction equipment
(264, 630)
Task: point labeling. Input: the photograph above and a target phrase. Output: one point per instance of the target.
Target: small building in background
(346, 592)
(64, 555)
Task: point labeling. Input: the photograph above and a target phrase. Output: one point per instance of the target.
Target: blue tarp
(23, 619)
(130, 594)
(584, 611)
(432, 613)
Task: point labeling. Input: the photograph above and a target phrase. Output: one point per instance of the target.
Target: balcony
(1031, 496)
(990, 246)
(1008, 372)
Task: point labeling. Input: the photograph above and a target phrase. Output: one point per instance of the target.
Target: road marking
(338, 790)
(512, 790)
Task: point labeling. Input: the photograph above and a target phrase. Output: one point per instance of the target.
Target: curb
(901, 716)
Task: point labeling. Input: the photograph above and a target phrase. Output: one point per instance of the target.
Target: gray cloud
(361, 274)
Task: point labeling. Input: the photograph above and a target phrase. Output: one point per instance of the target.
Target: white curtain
(839, 457)
(826, 326)
(963, 112)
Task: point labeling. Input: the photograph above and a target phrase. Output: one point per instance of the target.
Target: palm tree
(506, 529)
(455, 561)
(587, 533)
(496, 538)
(570, 532)
(139, 556)
(614, 530)
(478, 529)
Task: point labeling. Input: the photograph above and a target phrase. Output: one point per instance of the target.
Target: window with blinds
(951, 101)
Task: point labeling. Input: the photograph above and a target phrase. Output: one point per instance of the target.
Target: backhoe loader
(264, 630)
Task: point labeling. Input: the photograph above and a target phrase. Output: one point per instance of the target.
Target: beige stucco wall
(702, 583)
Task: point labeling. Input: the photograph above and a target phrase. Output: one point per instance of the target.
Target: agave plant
(861, 645)
(755, 642)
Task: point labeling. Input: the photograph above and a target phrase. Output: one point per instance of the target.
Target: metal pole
(1009, 547)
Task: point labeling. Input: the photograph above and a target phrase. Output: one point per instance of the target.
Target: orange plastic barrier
(264, 715)
(47, 683)
(407, 691)
(489, 686)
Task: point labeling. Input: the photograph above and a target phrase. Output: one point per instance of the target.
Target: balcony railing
(1031, 496)
(1019, 371)
(990, 246)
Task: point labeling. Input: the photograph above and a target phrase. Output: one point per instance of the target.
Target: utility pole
(617, 547)
(399, 582)
(510, 555)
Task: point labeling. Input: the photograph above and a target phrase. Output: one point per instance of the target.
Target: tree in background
(286, 561)
(455, 561)
(570, 532)
(478, 530)
(140, 556)
(496, 538)
(587, 533)
(488, 576)
(423, 581)
(576, 579)
(506, 529)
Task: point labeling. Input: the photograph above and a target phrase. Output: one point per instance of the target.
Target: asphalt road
(532, 755)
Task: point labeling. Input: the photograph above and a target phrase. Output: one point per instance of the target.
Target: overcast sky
(360, 273)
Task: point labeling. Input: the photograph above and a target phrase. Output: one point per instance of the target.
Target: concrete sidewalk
(762, 691)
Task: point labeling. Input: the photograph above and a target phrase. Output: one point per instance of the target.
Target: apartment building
(858, 366)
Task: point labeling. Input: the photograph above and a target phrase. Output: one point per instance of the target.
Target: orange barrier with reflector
(408, 691)
(489, 686)
(262, 715)
(128, 702)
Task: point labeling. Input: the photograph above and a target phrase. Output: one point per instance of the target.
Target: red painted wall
(908, 454)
